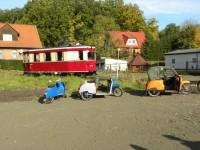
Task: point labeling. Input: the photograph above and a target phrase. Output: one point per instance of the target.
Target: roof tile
(138, 61)
(120, 38)
(28, 37)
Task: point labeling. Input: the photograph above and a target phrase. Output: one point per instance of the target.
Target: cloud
(167, 6)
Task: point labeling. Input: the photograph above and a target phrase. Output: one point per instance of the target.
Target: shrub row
(11, 64)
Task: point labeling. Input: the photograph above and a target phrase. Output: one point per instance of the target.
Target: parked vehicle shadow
(193, 145)
(40, 100)
(75, 96)
(136, 147)
(136, 92)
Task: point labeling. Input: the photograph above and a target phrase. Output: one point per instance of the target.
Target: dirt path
(20, 95)
(168, 122)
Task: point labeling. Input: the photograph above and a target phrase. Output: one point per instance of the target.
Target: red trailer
(78, 59)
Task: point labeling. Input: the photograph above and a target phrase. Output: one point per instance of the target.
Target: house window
(194, 59)
(7, 37)
(173, 61)
(132, 42)
(1, 55)
(14, 54)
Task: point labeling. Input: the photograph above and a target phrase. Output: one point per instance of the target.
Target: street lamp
(118, 62)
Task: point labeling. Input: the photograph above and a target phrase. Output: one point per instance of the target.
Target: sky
(166, 11)
(170, 11)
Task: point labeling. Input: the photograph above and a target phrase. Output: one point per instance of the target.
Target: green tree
(101, 26)
(197, 37)
(53, 19)
(130, 18)
(169, 38)
(152, 28)
(151, 48)
(187, 35)
(11, 16)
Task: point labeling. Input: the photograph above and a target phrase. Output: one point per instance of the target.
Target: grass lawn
(11, 79)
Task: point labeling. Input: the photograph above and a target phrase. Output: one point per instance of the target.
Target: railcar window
(31, 58)
(60, 56)
(42, 57)
(48, 57)
(54, 56)
(36, 58)
(81, 55)
(91, 55)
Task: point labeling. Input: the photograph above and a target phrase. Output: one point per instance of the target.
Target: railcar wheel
(117, 92)
(86, 96)
(153, 92)
(198, 86)
(186, 89)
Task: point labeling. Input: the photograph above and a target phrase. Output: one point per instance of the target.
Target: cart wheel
(186, 89)
(48, 100)
(198, 86)
(153, 92)
(86, 96)
(117, 92)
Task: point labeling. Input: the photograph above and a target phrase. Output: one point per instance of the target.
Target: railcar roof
(60, 48)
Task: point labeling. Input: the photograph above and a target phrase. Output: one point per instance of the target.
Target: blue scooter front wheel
(48, 100)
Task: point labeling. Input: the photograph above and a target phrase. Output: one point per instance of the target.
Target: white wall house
(183, 59)
(113, 64)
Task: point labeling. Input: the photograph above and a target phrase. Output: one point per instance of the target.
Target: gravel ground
(131, 122)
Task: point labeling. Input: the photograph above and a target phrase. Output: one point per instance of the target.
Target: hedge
(11, 64)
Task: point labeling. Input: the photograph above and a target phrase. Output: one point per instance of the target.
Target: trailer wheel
(86, 96)
(117, 92)
(186, 89)
(198, 86)
(153, 92)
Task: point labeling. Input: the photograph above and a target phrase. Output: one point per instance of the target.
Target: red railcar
(78, 59)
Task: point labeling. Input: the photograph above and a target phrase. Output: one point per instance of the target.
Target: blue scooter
(54, 91)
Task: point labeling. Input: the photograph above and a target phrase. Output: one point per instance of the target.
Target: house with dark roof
(183, 59)
(14, 38)
(138, 64)
(131, 42)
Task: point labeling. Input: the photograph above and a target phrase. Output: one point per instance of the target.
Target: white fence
(113, 67)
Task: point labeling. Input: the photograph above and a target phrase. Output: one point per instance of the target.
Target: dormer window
(8, 33)
(7, 37)
(132, 42)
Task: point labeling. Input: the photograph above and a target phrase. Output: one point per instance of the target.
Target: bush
(11, 64)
